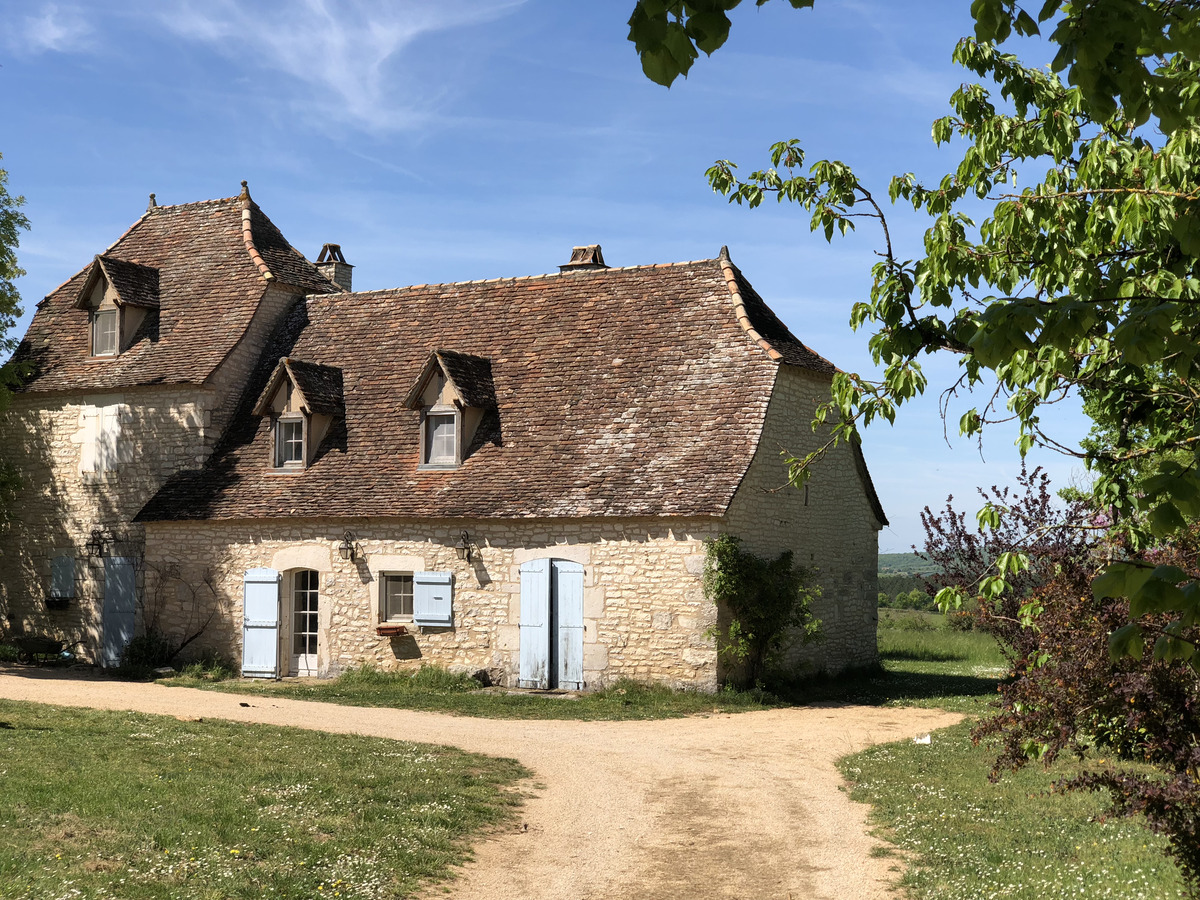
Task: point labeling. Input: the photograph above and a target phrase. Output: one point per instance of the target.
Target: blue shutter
(62, 577)
(535, 624)
(568, 608)
(433, 594)
(120, 608)
(260, 623)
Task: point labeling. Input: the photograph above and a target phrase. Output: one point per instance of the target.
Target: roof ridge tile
(514, 278)
(247, 233)
(739, 306)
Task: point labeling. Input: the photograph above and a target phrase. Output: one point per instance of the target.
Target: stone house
(220, 440)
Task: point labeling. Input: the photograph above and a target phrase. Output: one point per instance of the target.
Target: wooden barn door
(120, 607)
(566, 611)
(260, 624)
(535, 624)
(551, 624)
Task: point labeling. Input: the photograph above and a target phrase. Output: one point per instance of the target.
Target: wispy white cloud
(346, 56)
(51, 28)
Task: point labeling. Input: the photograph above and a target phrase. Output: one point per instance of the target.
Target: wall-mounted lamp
(95, 543)
(463, 547)
(350, 548)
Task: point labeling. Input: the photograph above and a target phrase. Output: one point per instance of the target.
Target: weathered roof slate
(136, 285)
(319, 386)
(470, 377)
(208, 290)
(619, 392)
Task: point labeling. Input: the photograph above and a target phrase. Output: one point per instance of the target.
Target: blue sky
(446, 140)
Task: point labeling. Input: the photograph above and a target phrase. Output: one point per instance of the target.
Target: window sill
(390, 629)
(437, 467)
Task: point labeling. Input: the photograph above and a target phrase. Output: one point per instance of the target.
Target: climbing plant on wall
(768, 602)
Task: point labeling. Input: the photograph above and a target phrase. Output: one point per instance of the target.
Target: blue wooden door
(535, 624)
(260, 623)
(566, 602)
(119, 612)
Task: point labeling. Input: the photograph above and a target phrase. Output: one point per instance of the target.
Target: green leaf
(1126, 641)
(1120, 580)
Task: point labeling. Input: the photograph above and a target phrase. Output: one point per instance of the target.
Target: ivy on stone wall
(768, 602)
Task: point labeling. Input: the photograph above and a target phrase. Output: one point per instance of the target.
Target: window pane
(289, 441)
(439, 439)
(104, 333)
(304, 612)
(397, 597)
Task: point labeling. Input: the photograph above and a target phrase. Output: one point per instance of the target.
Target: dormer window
(289, 441)
(441, 439)
(457, 401)
(121, 298)
(105, 332)
(302, 400)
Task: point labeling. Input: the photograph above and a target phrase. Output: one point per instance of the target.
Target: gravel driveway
(724, 806)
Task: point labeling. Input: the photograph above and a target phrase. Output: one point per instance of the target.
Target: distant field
(904, 564)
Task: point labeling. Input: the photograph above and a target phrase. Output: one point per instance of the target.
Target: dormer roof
(469, 379)
(318, 387)
(133, 283)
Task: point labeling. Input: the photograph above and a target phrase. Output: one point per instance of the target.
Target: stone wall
(644, 611)
(161, 430)
(829, 525)
(66, 492)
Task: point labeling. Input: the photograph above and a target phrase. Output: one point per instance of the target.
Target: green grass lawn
(922, 663)
(128, 806)
(436, 690)
(966, 838)
(958, 835)
(961, 836)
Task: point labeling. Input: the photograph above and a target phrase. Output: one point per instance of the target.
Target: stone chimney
(588, 257)
(333, 266)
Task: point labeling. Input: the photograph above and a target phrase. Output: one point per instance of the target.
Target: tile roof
(320, 387)
(619, 392)
(136, 285)
(209, 286)
(469, 376)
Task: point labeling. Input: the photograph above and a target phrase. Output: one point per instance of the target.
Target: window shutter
(432, 596)
(110, 433)
(123, 417)
(62, 577)
(91, 432)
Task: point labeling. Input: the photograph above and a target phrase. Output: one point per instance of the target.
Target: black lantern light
(463, 547)
(349, 548)
(95, 543)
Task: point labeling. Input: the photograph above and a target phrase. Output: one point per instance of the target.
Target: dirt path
(729, 806)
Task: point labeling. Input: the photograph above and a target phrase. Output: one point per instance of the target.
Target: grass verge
(436, 690)
(959, 835)
(964, 837)
(130, 806)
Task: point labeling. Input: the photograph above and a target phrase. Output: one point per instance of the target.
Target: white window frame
(428, 461)
(383, 597)
(279, 443)
(100, 316)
